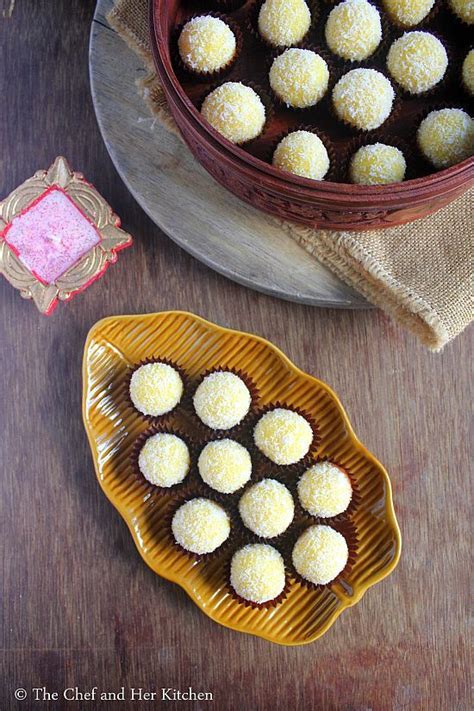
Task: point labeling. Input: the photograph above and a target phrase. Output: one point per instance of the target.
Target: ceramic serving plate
(112, 347)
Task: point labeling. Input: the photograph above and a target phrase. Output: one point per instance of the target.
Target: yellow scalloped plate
(116, 343)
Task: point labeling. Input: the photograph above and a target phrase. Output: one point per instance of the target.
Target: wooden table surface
(80, 609)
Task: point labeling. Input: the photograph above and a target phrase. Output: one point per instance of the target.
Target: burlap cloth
(421, 274)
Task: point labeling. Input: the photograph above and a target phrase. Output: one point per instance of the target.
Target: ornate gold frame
(91, 266)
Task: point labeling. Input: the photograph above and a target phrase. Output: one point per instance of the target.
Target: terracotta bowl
(247, 171)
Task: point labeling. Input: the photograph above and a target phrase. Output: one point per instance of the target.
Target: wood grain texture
(216, 227)
(79, 606)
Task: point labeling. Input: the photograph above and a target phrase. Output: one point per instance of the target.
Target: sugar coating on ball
(377, 164)
(257, 573)
(468, 72)
(446, 137)
(353, 30)
(222, 400)
(325, 490)
(464, 9)
(225, 465)
(363, 98)
(236, 111)
(408, 13)
(283, 23)
(267, 508)
(206, 44)
(302, 153)
(155, 389)
(417, 61)
(299, 77)
(320, 554)
(164, 459)
(200, 526)
(283, 436)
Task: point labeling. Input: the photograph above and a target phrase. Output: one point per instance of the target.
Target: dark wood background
(79, 606)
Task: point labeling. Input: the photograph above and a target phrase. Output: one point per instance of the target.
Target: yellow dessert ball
(325, 490)
(236, 111)
(200, 526)
(363, 98)
(267, 508)
(257, 573)
(225, 465)
(377, 164)
(164, 459)
(320, 554)
(417, 61)
(206, 44)
(299, 77)
(283, 23)
(283, 436)
(464, 9)
(446, 137)
(468, 72)
(408, 13)
(353, 30)
(222, 400)
(302, 153)
(155, 389)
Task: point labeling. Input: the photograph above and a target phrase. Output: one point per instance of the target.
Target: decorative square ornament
(57, 236)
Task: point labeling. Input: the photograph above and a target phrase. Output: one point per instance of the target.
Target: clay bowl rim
(420, 188)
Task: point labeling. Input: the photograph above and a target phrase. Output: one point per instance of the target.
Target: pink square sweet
(51, 235)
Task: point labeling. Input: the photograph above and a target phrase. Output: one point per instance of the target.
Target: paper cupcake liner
(241, 433)
(457, 79)
(227, 5)
(307, 518)
(268, 104)
(205, 77)
(437, 88)
(238, 430)
(247, 534)
(228, 501)
(412, 28)
(224, 548)
(377, 137)
(348, 530)
(458, 72)
(252, 23)
(427, 166)
(317, 49)
(287, 468)
(463, 25)
(266, 469)
(345, 65)
(230, 498)
(393, 116)
(207, 492)
(332, 173)
(159, 419)
(256, 605)
(263, 95)
(181, 487)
